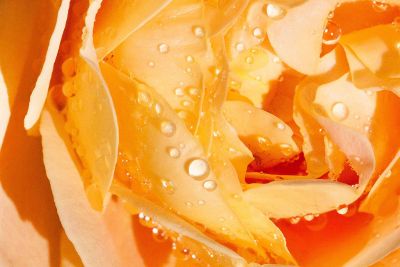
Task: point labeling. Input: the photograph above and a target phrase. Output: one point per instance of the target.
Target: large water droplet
(163, 48)
(339, 111)
(168, 186)
(210, 185)
(274, 11)
(332, 33)
(198, 31)
(168, 128)
(198, 168)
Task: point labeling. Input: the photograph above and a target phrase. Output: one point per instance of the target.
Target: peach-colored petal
(39, 93)
(117, 20)
(91, 118)
(296, 40)
(267, 136)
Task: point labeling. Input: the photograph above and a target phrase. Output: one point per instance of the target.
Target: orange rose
(241, 132)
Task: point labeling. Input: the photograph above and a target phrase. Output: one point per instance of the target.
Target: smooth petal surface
(39, 93)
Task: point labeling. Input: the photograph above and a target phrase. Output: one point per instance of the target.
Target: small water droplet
(280, 125)
(168, 186)
(173, 152)
(379, 6)
(159, 234)
(163, 48)
(193, 91)
(309, 217)
(388, 173)
(187, 103)
(179, 92)
(274, 11)
(339, 111)
(158, 108)
(143, 98)
(332, 33)
(189, 59)
(294, 220)
(201, 202)
(151, 64)
(168, 128)
(257, 32)
(198, 168)
(210, 185)
(189, 204)
(249, 60)
(239, 47)
(286, 149)
(342, 210)
(198, 31)
(276, 59)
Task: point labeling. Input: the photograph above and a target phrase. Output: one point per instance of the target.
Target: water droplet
(379, 6)
(342, 210)
(145, 220)
(286, 149)
(339, 111)
(198, 168)
(388, 173)
(187, 103)
(294, 220)
(173, 152)
(189, 204)
(331, 15)
(198, 31)
(201, 202)
(168, 186)
(159, 234)
(276, 59)
(168, 128)
(143, 98)
(239, 47)
(332, 33)
(257, 32)
(189, 59)
(158, 108)
(163, 48)
(280, 125)
(309, 217)
(179, 92)
(210, 185)
(249, 60)
(151, 64)
(274, 11)
(194, 91)
(367, 128)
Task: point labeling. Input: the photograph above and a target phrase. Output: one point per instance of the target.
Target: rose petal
(267, 136)
(4, 108)
(91, 119)
(39, 93)
(306, 34)
(117, 20)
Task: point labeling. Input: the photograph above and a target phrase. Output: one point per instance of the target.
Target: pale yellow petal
(39, 93)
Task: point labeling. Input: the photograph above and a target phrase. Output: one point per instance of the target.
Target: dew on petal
(157, 108)
(151, 64)
(274, 11)
(189, 59)
(198, 31)
(294, 220)
(197, 168)
(201, 202)
(179, 92)
(309, 217)
(163, 48)
(239, 47)
(249, 60)
(210, 185)
(168, 186)
(339, 111)
(173, 152)
(280, 125)
(332, 33)
(143, 98)
(168, 128)
(159, 234)
(342, 210)
(379, 6)
(257, 32)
